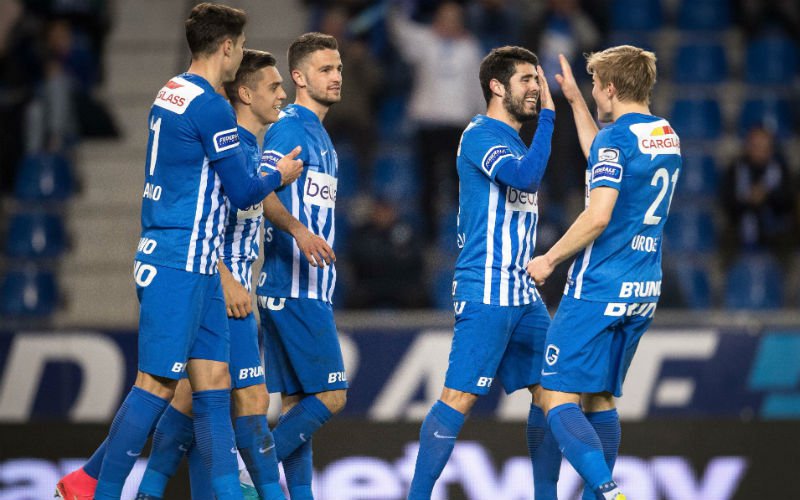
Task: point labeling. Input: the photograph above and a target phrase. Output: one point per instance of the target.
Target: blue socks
(606, 424)
(298, 467)
(257, 448)
(214, 439)
(172, 439)
(299, 424)
(545, 456)
(128, 435)
(92, 467)
(199, 480)
(580, 444)
(437, 437)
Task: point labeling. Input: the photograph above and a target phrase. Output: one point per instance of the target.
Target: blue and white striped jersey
(183, 208)
(311, 199)
(242, 235)
(496, 223)
(640, 156)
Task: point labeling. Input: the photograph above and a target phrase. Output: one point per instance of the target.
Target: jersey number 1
(661, 177)
(155, 126)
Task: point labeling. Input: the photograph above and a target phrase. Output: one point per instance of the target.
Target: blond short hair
(632, 71)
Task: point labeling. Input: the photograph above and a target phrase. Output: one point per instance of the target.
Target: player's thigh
(245, 365)
(212, 342)
(521, 364)
(629, 332)
(280, 373)
(578, 348)
(480, 338)
(170, 313)
(309, 338)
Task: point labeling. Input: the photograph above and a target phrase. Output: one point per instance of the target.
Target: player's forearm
(584, 123)
(242, 188)
(280, 217)
(225, 274)
(526, 174)
(586, 228)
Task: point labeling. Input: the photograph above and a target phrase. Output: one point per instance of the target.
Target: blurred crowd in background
(729, 82)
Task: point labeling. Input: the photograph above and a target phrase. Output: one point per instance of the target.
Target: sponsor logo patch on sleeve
(269, 161)
(607, 171)
(226, 139)
(493, 156)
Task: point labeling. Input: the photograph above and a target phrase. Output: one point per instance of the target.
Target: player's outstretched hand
(237, 299)
(316, 249)
(566, 80)
(540, 269)
(545, 98)
(289, 167)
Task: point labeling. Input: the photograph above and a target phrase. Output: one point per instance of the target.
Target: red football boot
(77, 485)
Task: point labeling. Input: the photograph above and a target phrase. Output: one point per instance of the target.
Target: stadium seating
(771, 60)
(690, 229)
(704, 15)
(35, 235)
(772, 113)
(697, 119)
(754, 281)
(394, 175)
(28, 293)
(44, 177)
(694, 281)
(636, 15)
(700, 63)
(698, 179)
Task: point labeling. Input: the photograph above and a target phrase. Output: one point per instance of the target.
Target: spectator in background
(353, 119)
(758, 200)
(495, 22)
(444, 97)
(387, 262)
(759, 16)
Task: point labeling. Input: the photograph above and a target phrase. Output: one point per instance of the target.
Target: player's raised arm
(584, 121)
(314, 247)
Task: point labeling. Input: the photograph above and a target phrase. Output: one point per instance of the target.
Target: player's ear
(298, 78)
(497, 88)
(227, 46)
(244, 95)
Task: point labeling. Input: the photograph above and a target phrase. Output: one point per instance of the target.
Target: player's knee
(458, 400)
(334, 400)
(160, 386)
(252, 400)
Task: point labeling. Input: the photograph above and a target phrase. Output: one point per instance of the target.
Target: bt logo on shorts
(252, 372)
(551, 354)
(336, 377)
(178, 367)
(485, 381)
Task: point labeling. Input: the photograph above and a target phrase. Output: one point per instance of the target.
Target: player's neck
(206, 68)
(319, 109)
(623, 108)
(249, 122)
(497, 111)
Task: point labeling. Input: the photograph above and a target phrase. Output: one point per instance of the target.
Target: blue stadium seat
(448, 232)
(694, 281)
(394, 175)
(699, 176)
(704, 15)
(754, 282)
(700, 63)
(771, 60)
(33, 235)
(44, 177)
(773, 114)
(349, 171)
(28, 293)
(636, 15)
(696, 119)
(390, 116)
(690, 229)
(441, 290)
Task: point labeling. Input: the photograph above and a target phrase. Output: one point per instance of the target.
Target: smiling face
(266, 94)
(522, 93)
(321, 76)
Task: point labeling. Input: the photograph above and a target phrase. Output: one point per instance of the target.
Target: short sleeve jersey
(496, 223)
(311, 199)
(183, 208)
(638, 155)
(242, 236)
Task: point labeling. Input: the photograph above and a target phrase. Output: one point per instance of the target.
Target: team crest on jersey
(551, 355)
(607, 171)
(226, 139)
(177, 94)
(494, 155)
(656, 138)
(608, 154)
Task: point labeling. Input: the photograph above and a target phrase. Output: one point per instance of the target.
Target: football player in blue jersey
(303, 358)
(193, 153)
(500, 319)
(256, 95)
(615, 280)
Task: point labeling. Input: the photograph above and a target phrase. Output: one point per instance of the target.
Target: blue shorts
(496, 341)
(301, 346)
(182, 316)
(590, 345)
(246, 368)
